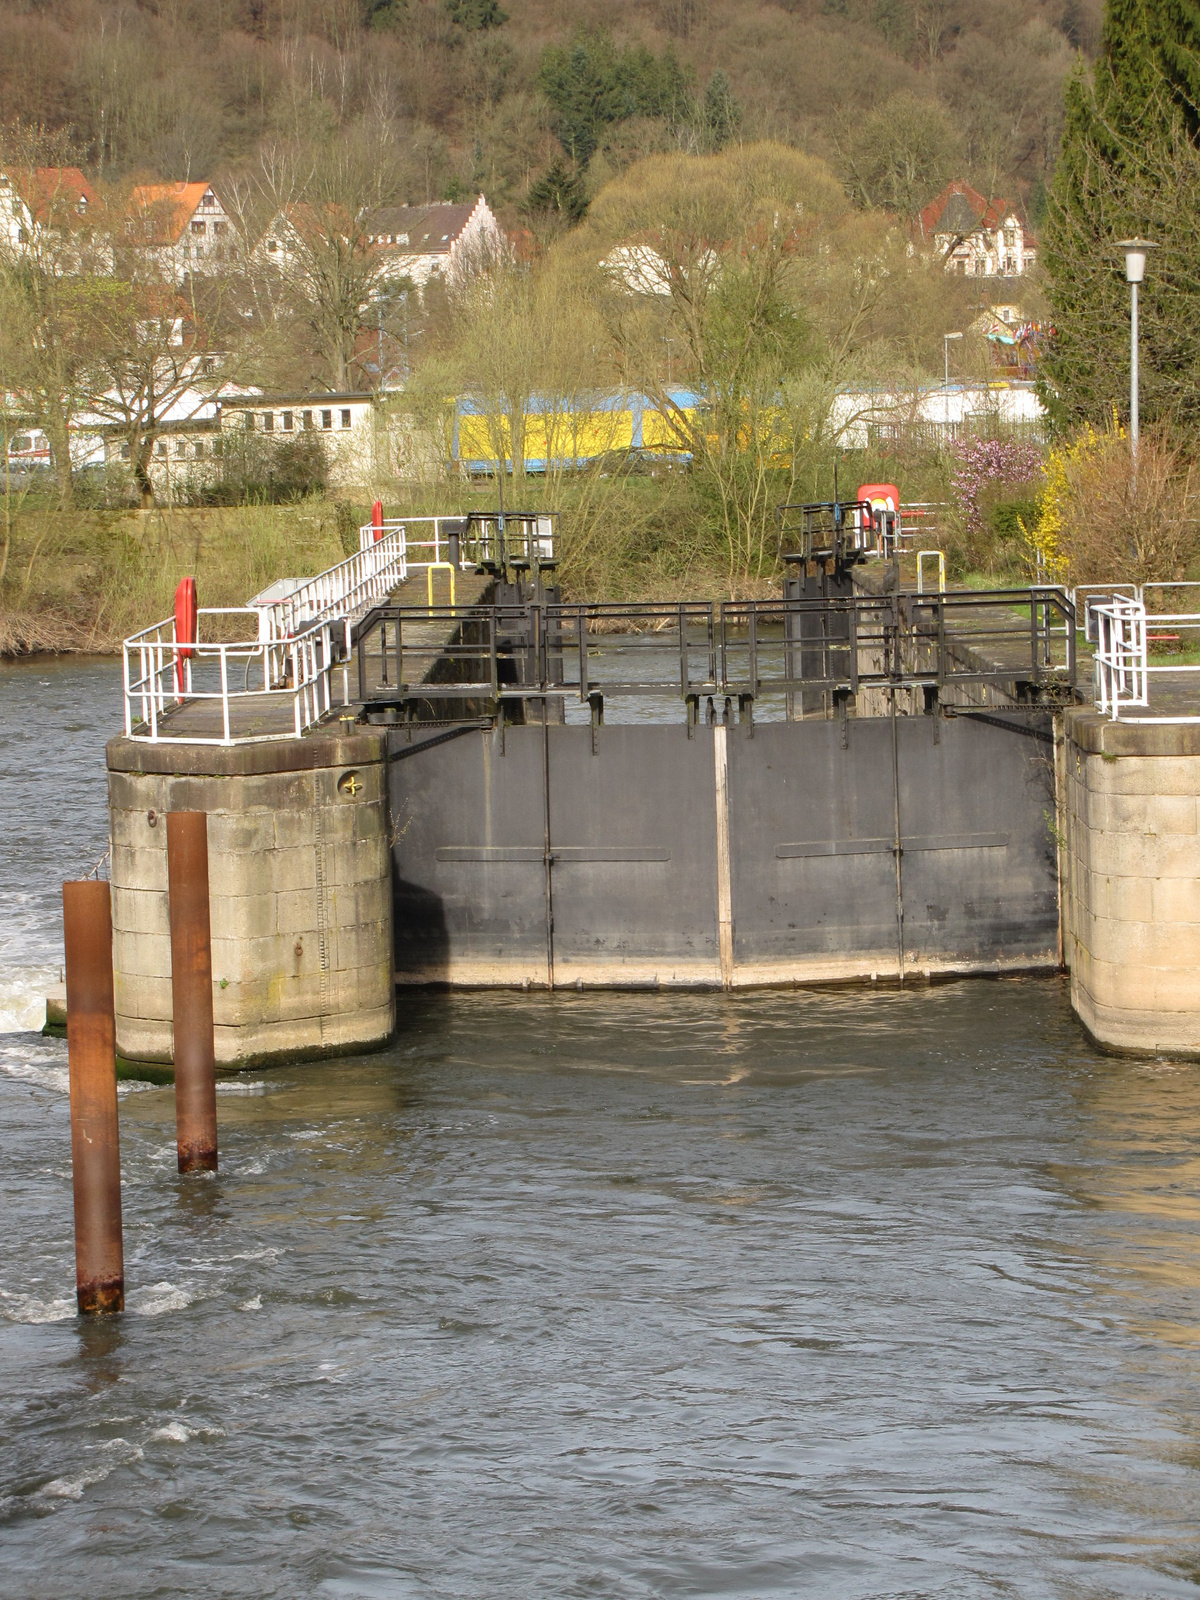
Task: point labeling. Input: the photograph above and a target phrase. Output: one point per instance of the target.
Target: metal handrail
(690, 648)
(484, 537)
(347, 590)
(299, 668)
(1123, 669)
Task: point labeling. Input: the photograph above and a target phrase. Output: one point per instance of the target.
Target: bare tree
(54, 249)
(322, 203)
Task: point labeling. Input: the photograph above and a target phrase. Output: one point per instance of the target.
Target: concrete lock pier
(1131, 907)
(858, 783)
(301, 907)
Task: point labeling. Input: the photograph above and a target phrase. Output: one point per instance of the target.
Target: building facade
(182, 226)
(977, 238)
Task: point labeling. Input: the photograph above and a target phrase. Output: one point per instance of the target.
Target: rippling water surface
(612, 1295)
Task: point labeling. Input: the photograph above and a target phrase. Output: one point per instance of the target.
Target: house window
(248, 421)
(306, 419)
(268, 421)
(327, 419)
(199, 227)
(160, 449)
(272, 246)
(219, 228)
(346, 418)
(22, 236)
(125, 452)
(287, 422)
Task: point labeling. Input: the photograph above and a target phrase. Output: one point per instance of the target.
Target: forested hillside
(475, 94)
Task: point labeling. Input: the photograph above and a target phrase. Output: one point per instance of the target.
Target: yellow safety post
(941, 561)
(438, 566)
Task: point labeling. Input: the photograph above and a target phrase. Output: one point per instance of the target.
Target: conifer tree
(1129, 165)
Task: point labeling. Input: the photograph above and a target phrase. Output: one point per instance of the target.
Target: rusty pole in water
(92, 1060)
(191, 991)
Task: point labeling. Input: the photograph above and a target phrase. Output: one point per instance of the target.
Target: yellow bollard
(941, 561)
(438, 566)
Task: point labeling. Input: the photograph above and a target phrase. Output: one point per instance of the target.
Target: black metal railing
(1023, 639)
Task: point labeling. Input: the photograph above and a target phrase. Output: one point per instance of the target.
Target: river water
(599, 1295)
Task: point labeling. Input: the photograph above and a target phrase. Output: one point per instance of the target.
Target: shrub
(1097, 525)
(255, 470)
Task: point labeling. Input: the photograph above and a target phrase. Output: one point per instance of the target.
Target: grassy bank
(83, 581)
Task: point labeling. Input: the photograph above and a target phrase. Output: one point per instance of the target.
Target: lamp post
(946, 338)
(1135, 271)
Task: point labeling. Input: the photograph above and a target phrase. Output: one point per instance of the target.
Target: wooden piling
(191, 991)
(92, 1059)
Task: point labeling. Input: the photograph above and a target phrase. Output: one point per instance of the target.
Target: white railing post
(225, 693)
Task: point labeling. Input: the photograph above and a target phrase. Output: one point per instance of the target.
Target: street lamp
(946, 338)
(1135, 271)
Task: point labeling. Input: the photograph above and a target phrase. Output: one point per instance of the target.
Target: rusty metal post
(191, 991)
(92, 1060)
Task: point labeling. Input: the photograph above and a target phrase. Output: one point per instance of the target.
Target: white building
(43, 212)
(859, 418)
(182, 226)
(976, 237)
(444, 240)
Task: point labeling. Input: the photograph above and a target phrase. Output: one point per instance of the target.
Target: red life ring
(185, 627)
(377, 520)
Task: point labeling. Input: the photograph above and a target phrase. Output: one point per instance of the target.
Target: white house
(182, 226)
(976, 237)
(443, 240)
(45, 205)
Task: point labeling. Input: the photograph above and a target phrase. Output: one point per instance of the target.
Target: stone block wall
(1131, 912)
(300, 894)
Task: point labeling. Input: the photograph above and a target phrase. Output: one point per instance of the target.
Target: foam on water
(23, 991)
(39, 1061)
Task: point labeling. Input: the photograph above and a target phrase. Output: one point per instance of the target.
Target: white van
(29, 452)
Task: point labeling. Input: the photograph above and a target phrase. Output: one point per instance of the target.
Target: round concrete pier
(1131, 910)
(300, 884)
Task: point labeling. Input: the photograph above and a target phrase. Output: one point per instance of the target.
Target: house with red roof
(977, 237)
(182, 226)
(43, 206)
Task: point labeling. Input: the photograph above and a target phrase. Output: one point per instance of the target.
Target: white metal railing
(162, 673)
(344, 591)
(435, 543)
(1120, 659)
(1123, 628)
(427, 539)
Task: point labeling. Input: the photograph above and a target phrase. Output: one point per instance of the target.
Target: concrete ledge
(1100, 736)
(246, 760)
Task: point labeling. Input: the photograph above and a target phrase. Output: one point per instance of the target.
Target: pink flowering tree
(984, 467)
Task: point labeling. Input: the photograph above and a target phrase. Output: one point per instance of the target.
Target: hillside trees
(899, 155)
(1129, 164)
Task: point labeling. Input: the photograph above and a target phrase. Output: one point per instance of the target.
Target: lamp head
(1135, 257)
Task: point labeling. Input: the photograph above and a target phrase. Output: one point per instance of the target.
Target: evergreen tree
(590, 86)
(721, 115)
(474, 16)
(558, 195)
(1129, 165)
